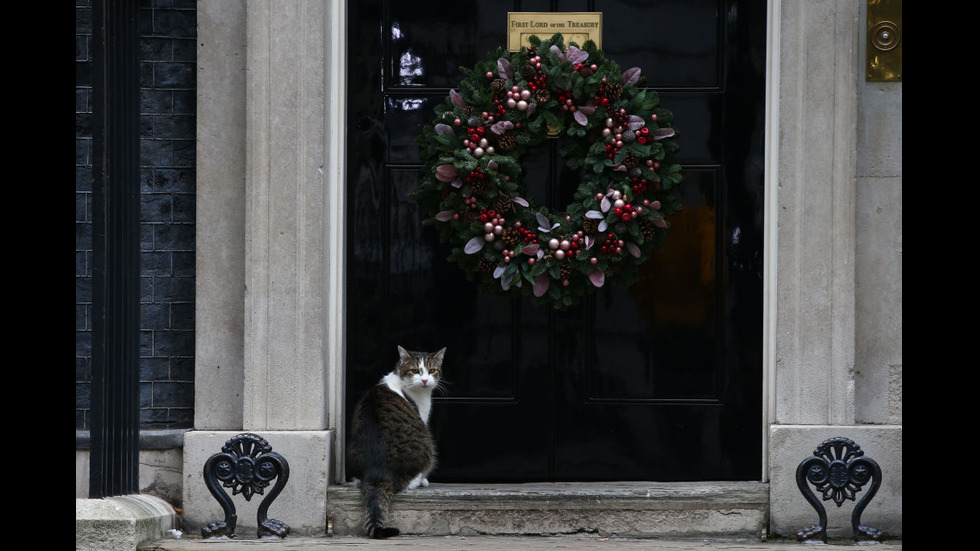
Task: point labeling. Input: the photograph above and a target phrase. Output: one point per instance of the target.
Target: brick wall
(168, 55)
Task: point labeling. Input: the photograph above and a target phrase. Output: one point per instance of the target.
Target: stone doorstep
(121, 523)
(634, 509)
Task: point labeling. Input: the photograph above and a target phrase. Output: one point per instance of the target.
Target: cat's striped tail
(377, 500)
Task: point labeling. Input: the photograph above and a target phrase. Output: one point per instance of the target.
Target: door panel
(658, 381)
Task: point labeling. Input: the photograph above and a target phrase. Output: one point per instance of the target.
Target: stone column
(266, 190)
(816, 188)
(220, 277)
(814, 50)
(284, 201)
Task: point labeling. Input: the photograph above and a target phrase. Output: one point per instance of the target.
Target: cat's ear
(438, 355)
(402, 353)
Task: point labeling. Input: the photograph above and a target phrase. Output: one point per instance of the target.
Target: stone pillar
(284, 201)
(264, 257)
(220, 293)
(816, 186)
(814, 50)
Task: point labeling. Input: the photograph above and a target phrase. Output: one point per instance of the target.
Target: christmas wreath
(618, 137)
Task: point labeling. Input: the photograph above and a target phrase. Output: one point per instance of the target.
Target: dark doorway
(659, 381)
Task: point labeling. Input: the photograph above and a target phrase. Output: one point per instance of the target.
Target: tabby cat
(390, 447)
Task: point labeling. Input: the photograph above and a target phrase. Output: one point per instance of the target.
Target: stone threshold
(121, 523)
(628, 509)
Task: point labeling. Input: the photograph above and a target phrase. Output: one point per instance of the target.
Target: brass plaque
(884, 43)
(576, 27)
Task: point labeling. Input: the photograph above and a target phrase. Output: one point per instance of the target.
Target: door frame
(335, 226)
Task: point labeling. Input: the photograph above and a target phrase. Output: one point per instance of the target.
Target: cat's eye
(413, 371)
(434, 373)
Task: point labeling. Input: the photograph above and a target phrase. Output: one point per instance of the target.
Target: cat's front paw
(424, 482)
(416, 482)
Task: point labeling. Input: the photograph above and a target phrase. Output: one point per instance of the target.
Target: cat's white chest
(422, 396)
(423, 399)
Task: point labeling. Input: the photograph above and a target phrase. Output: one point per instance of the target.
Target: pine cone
(479, 187)
(630, 161)
(586, 72)
(590, 225)
(498, 86)
(470, 216)
(511, 236)
(506, 142)
(485, 264)
(502, 204)
(647, 229)
(629, 136)
(542, 95)
(528, 72)
(614, 90)
(566, 270)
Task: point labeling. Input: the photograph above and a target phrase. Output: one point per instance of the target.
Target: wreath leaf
(504, 70)
(541, 284)
(576, 55)
(501, 127)
(446, 173)
(457, 99)
(531, 250)
(631, 76)
(543, 222)
(474, 245)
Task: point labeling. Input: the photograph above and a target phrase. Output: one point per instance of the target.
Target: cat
(391, 448)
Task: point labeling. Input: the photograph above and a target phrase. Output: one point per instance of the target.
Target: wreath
(618, 137)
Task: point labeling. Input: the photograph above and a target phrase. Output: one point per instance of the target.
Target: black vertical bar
(116, 232)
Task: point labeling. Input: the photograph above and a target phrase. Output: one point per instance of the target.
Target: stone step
(121, 523)
(629, 509)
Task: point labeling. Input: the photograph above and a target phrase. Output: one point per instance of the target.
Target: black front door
(658, 381)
